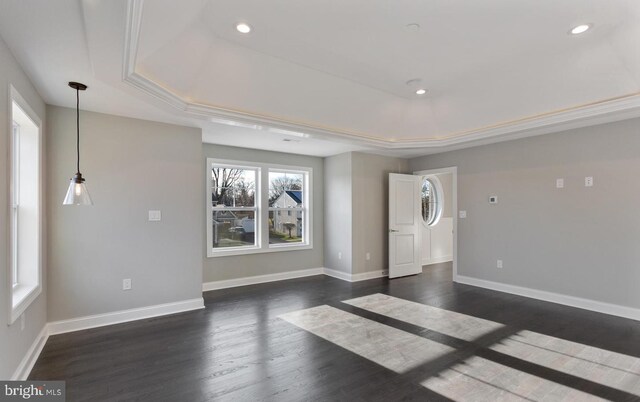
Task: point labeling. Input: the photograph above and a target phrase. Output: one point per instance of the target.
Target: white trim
(363, 276)
(261, 208)
(252, 280)
(435, 182)
(600, 112)
(281, 276)
(18, 306)
(337, 274)
(453, 170)
(30, 358)
(587, 304)
(117, 317)
(437, 260)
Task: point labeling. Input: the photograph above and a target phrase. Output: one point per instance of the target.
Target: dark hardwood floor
(237, 348)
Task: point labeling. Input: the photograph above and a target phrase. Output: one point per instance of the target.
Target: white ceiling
(330, 76)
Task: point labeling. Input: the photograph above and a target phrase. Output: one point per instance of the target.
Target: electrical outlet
(339, 255)
(126, 284)
(588, 181)
(385, 272)
(559, 183)
(462, 214)
(155, 216)
(499, 264)
(368, 256)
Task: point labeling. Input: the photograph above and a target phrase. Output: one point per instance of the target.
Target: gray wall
(131, 166)
(231, 267)
(338, 213)
(575, 241)
(14, 342)
(371, 209)
(356, 210)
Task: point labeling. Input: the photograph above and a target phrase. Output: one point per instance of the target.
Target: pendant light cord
(78, 128)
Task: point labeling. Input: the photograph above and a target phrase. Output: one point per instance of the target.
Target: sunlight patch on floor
(389, 347)
(446, 322)
(474, 379)
(479, 380)
(612, 369)
(601, 366)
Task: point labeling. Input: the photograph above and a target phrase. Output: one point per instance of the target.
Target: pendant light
(77, 193)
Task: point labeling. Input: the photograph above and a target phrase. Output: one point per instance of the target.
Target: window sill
(21, 298)
(254, 250)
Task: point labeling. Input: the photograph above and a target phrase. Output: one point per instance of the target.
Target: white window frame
(256, 209)
(15, 202)
(306, 206)
(438, 191)
(23, 292)
(262, 209)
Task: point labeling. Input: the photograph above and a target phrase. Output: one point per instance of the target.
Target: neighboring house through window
(257, 208)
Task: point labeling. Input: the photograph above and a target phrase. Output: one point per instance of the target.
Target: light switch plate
(155, 216)
(559, 183)
(462, 214)
(588, 181)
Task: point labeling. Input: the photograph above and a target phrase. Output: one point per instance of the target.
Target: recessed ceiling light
(582, 28)
(243, 28)
(421, 91)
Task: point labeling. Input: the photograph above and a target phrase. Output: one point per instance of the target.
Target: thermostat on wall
(493, 199)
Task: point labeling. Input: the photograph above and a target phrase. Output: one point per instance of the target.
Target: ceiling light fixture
(77, 193)
(421, 91)
(582, 28)
(243, 28)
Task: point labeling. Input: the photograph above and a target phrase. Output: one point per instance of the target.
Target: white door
(405, 225)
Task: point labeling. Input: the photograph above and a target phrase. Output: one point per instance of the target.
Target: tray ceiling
(335, 71)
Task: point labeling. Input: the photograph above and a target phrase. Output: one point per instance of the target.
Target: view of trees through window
(235, 209)
(233, 187)
(233, 197)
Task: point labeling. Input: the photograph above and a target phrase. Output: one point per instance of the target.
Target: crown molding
(599, 112)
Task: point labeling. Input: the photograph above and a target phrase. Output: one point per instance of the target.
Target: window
(286, 207)
(15, 180)
(234, 208)
(25, 209)
(255, 208)
(431, 200)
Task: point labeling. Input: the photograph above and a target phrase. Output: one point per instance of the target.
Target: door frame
(453, 170)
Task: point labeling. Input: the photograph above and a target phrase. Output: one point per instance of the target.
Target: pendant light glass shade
(77, 194)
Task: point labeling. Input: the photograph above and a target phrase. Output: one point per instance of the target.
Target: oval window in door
(431, 200)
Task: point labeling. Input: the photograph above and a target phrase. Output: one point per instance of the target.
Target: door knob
(393, 231)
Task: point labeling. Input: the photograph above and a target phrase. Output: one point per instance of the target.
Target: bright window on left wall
(25, 271)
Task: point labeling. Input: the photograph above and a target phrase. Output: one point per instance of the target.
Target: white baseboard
(29, 360)
(355, 277)
(337, 274)
(587, 304)
(252, 280)
(117, 317)
(437, 260)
